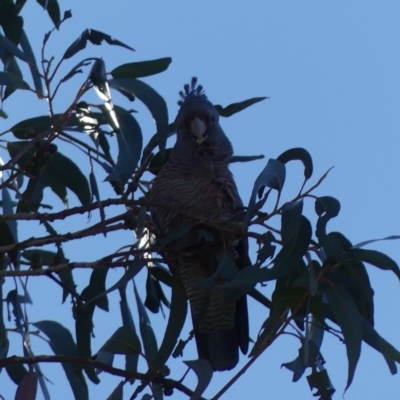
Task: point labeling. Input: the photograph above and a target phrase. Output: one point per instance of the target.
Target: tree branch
(97, 364)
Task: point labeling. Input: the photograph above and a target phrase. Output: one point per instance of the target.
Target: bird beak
(198, 129)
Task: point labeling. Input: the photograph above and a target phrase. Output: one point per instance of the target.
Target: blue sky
(332, 72)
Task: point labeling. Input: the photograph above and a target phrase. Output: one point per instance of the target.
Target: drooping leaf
(300, 154)
(8, 209)
(326, 208)
(123, 341)
(8, 45)
(4, 343)
(37, 80)
(62, 343)
(77, 69)
(362, 244)
(97, 287)
(93, 186)
(153, 143)
(376, 341)
(273, 176)
(16, 372)
(176, 320)
(291, 219)
(204, 373)
(376, 258)
(47, 257)
(130, 142)
(53, 10)
(236, 159)
(162, 274)
(146, 331)
(30, 128)
(27, 388)
(268, 249)
(98, 77)
(93, 36)
(131, 360)
(12, 67)
(9, 79)
(66, 171)
(133, 269)
(83, 332)
(151, 99)
(141, 69)
(287, 258)
(117, 393)
(237, 107)
(320, 381)
(350, 321)
(152, 301)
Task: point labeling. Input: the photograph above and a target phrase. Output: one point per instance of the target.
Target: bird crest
(191, 91)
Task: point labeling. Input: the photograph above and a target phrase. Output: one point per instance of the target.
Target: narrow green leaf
(12, 67)
(27, 388)
(152, 302)
(37, 80)
(97, 286)
(291, 252)
(146, 331)
(117, 393)
(235, 159)
(53, 10)
(66, 171)
(204, 372)
(30, 128)
(153, 143)
(83, 332)
(142, 68)
(93, 36)
(375, 258)
(9, 79)
(362, 244)
(16, 372)
(176, 320)
(377, 342)
(320, 381)
(151, 99)
(93, 186)
(162, 274)
(77, 69)
(350, 321)
(134, 268)
(131, 360)
(237, 107)
(130, 143)
(8, 45)
(326, 208)
(48, 258)
(123, 341)
(273, 176)
(8, 209)
(62, 343)
(291, 219)
(300, 154)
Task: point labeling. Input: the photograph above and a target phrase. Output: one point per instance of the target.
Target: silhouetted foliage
(321, 283)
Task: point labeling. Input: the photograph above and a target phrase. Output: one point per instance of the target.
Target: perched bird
(196, 181)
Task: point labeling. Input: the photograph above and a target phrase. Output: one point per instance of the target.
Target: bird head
(197, 117)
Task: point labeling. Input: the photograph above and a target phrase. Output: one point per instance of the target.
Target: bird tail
(221, 348)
